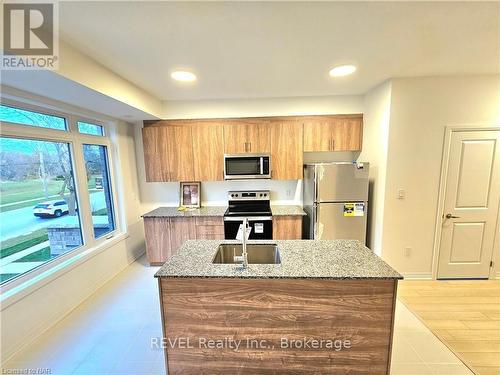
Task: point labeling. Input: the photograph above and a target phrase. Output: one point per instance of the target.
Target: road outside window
(101, 204)
(39, 218)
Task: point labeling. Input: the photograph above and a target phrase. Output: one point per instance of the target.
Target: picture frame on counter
(190, 192)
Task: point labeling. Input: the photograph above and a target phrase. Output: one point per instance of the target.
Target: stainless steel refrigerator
(336, 201)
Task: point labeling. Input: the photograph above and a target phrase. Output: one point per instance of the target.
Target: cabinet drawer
(210, 220)
(209, 232)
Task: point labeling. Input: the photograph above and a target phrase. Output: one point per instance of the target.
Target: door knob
(450, 216)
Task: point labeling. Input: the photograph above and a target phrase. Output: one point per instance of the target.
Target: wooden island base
(270, 313)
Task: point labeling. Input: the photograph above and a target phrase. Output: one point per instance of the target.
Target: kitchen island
(326, 307)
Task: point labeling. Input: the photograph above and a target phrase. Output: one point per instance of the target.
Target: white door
(471, 204)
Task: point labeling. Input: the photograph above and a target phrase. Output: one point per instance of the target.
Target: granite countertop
(287, 211)
(337, 259)
(218, 211)
(173, 212)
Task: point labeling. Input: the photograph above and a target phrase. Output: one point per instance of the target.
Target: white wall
(87, 72)
(315, 105)
(420, 110)
(28, 317)
(214, 193)
(377, 106)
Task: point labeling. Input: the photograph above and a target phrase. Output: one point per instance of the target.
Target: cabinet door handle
(250, 146)
(246, 146)
(333, 144)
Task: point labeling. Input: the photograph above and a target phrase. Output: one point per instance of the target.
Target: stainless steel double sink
(257, 253)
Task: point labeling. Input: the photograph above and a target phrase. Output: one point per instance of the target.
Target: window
(44, 176)
(99, 186)
(25, 117)
(92, 129)
(38, 204)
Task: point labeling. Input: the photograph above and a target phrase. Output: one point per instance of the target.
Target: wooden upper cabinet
(333, 133)
(318, 134)
(208, 151)
(155, 153)
(168, 152)
(348, 134)
(259, 137)
(246, 136)
(180, 153)
(184, 150)
(286, 150)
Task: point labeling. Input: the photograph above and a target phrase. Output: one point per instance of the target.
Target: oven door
(262, 227)
(237, 167)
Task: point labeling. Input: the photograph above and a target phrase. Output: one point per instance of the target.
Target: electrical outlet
(288, 193)
(407, 251)
(401, 193)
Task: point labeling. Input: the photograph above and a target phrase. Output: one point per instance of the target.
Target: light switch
(401, 193)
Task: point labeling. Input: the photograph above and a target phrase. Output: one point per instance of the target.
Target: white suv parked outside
(51, 208)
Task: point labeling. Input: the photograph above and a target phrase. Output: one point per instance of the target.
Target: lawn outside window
(55, 188)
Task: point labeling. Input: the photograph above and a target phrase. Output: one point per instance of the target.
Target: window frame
(75, 140)
(91, 122)
(34, 108)
(113, 197)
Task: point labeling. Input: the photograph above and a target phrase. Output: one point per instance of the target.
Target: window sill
(24, 289)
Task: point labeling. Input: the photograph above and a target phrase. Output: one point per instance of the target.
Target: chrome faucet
(243, 258)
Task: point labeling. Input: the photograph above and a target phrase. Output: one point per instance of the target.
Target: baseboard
(417, 276)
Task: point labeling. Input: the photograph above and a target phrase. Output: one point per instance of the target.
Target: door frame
(449, 130)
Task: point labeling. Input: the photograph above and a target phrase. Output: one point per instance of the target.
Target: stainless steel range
(254, 205)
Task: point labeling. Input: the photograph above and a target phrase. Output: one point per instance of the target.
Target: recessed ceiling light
(183, 76)
(342, 70)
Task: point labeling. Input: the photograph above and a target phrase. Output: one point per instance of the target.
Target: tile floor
(110, 334)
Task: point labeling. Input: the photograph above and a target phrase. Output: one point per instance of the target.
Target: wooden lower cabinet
(157, 233)
(165, 236)
(209, 228)
(287, 227)
(210, 232)
(181, 230)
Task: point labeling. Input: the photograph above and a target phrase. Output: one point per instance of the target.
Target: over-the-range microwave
(247, 166)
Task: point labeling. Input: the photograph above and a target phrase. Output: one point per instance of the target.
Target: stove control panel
(249, 195)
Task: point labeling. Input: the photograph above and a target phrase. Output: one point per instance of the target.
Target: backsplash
(215, 193)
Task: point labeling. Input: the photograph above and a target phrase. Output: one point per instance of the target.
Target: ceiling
(282, 49)
(67, 91)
